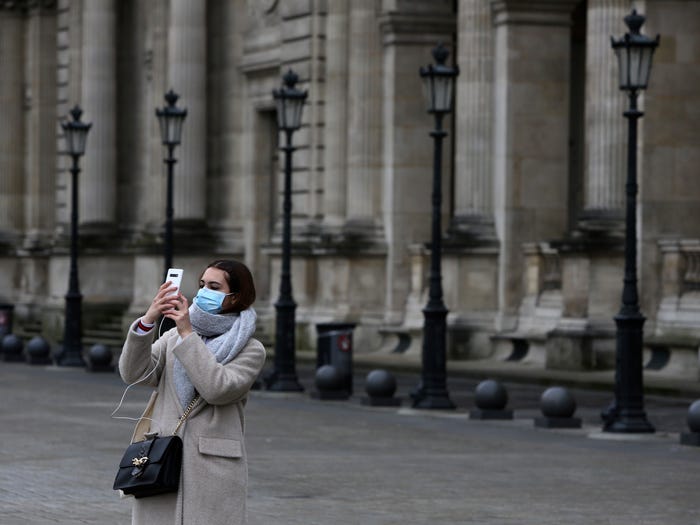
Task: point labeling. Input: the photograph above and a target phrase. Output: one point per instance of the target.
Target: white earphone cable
(141, 380)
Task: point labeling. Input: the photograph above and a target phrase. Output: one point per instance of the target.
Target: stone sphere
(491, 395)
(694, 416)
(38, 347)
(328, 378)
(100, 355)
(557, 401)
(380, 383)
(12, 345)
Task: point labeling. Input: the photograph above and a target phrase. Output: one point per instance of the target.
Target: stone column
(12, 96)
(187, 76)
(40, 110)
(606, 132)
(408, 38)
(97, 181)
(147, 52)
(364, 118)
(235, 212)
(336, 116)
(532, 64)
(136, 121)
(151, 204)
(473, 200)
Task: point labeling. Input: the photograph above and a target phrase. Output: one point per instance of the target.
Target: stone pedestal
(569, 350)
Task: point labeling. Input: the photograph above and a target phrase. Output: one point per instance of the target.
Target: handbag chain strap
(186, 413)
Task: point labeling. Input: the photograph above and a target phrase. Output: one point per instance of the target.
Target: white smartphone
(175, 277)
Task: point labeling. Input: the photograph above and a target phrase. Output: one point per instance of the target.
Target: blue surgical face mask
(210, 300)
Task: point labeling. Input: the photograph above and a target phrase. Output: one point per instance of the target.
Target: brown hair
(240, 282)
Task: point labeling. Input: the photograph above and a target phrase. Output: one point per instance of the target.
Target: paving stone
(343, 463)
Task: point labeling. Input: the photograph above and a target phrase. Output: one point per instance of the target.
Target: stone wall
(532, 180)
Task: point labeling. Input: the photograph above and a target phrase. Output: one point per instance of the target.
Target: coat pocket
(227, 448)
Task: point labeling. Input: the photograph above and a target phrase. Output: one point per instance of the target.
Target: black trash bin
(335, 348)
(6, 313)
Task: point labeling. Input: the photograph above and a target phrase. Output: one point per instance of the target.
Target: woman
(210, 352)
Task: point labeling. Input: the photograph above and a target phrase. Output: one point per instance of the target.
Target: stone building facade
(533, 179)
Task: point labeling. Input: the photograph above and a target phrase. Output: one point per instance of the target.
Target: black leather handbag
(152, 466)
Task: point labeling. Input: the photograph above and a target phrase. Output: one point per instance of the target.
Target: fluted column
(11, 130)
(40, 150)
(187, 76)
(336, 115)
(152, 194)
(136, 122)
(364, 117)
(238, 215)
(473, 206)
(98, 182)
(605, 147)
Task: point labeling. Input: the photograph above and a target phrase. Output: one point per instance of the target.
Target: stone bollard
(491, 398)
(380, 386)
(99, 359)
(11, 349)
(692, 438)
(38, 351)
(330, 384)
(558, 407)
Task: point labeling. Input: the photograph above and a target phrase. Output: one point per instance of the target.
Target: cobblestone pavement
(341, 463)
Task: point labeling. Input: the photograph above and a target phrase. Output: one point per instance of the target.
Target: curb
(654, 382)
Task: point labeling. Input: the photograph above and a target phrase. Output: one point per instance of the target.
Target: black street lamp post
(634, 52)
(75, 133)
(290, 102)
(432, 393)
(170, 119)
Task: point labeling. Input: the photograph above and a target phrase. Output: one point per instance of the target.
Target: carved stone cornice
(401, 25)
(533, 12)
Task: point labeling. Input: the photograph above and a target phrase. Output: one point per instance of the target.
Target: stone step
(27, 330)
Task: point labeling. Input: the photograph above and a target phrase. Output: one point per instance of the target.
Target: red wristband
(144, 327)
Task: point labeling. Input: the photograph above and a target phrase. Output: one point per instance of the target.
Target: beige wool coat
(214, 478)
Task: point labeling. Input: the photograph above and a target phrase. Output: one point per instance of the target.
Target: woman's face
(215, 279)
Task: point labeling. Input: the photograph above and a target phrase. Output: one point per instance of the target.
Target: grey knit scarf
(225, 335)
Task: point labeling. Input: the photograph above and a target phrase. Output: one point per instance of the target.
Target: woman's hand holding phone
(162, 303)
(181, 315)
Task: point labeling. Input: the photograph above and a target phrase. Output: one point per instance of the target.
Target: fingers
(165, 289)
(180, 309)
(181, 316)
(165, 301)
(184, 303)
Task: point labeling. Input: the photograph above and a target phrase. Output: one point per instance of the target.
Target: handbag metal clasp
(138, 462)
(139, 466)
